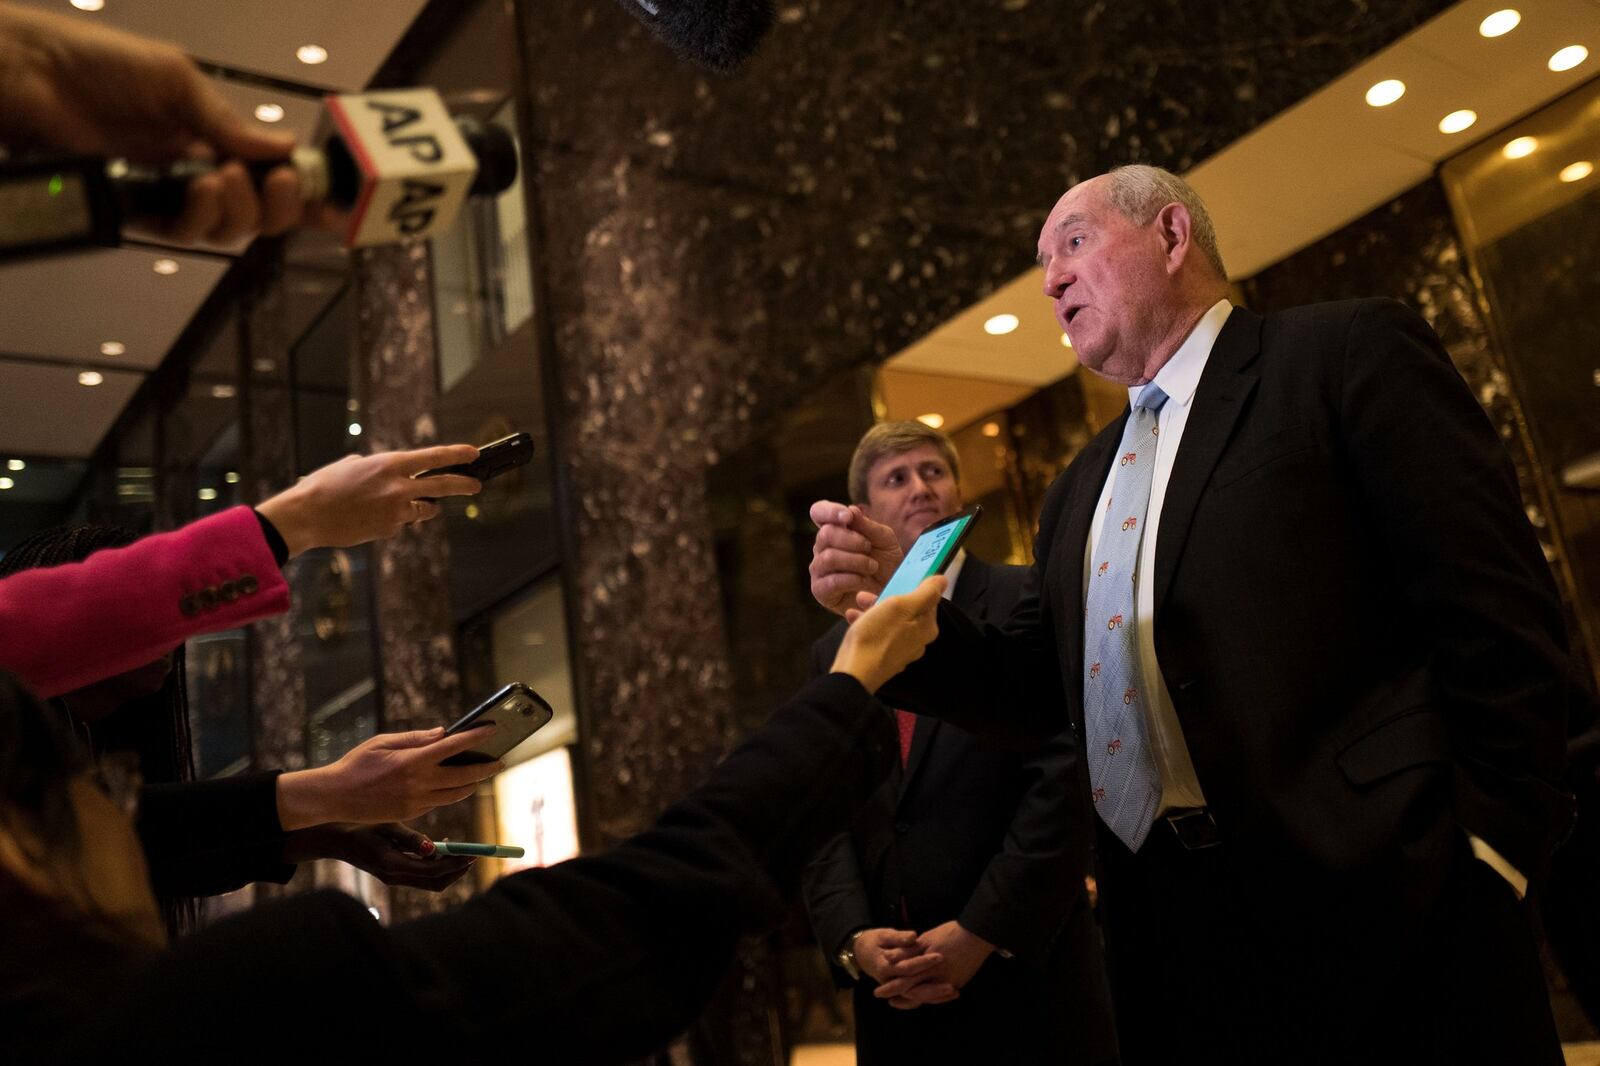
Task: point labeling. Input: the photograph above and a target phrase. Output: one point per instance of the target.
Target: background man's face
(911, 491)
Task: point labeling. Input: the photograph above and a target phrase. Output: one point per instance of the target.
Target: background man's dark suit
(977, 833)
(1364, 647)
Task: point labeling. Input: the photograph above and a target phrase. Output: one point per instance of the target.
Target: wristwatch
(847, 956)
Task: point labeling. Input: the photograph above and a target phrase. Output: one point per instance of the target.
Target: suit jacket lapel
(1222, 395)
(972, 585)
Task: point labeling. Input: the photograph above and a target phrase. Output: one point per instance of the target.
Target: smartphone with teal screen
(932, 552)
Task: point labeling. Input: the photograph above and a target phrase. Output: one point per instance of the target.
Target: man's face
(1108, 279)
(911, 491)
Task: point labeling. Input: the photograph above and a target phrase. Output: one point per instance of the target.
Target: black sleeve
(275, 541)
(204, 838)
(1426, 458)
(836, 898)
(597, 960)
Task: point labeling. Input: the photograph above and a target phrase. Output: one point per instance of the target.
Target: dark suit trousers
(1200, 975)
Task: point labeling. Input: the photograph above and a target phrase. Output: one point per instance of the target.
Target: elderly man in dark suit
(955, 903)
(1316, 652)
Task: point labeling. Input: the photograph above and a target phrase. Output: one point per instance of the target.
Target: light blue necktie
(1122, 768)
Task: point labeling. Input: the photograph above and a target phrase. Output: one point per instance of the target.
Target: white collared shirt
(1179, 378)
(953, 571)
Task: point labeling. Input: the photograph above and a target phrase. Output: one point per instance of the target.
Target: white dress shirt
(1180, 785)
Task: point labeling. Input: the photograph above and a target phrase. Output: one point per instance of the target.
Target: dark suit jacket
(989, 837)
(595, 960)
(1360, 635)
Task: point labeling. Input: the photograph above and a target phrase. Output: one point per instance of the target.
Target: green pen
(482, 851)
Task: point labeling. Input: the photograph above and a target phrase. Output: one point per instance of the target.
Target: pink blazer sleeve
(64, 627)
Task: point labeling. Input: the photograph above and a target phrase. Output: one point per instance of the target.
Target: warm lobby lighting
(1568, 57)
(1500, 23)
(7, 483)
(1522, 146)
(1577, 171)
(311, 54)
(88, 5)
(165, 267)
(932, 420)
(90, 378)
(207, 494)
(112, 348)
(991, 429)
(1456, 121)
(223, 392)
(231, 477)
(355, 429)
(16, 464)
(1066, 341)
(1001, 324)
(269, 113)
(1386, 92)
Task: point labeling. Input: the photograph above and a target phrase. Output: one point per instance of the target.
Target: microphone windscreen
(720, 34)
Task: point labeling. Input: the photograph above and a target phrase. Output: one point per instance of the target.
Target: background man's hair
(894, 438)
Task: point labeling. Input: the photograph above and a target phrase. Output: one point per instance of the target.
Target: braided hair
(155, 727)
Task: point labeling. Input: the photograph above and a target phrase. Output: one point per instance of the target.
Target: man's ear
(1175, 228)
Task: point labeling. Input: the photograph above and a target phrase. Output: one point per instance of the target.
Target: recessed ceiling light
(88, 5)
(932, 420)
(991, 429)
(269, 112)
(1522, 146)
(1571, 172)
(1456, 121)
(7, 483)
(311, 54)
(355, 429)
(1066, 341)
(1500, 23)
(1568, 57)
(90, 378)
(16, 464)
(231, 477)
(1386, 92)
(223, 392)
(165, 267)
(112, 348)
(207, 494)
(1001, 324)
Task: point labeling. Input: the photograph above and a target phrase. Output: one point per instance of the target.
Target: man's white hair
(1139, 192)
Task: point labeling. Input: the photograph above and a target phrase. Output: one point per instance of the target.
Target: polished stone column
(396, 384)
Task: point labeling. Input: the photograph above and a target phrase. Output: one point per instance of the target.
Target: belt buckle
(1195, 828)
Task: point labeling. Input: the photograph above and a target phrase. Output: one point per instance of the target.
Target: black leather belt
(1195, 828)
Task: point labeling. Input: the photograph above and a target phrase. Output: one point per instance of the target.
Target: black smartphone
(932, 553)
(516, 711)
(493, 459)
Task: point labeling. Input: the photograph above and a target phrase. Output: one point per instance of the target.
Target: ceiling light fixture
(1066, 341)
(7, 483)
(1386, 92)
(1500, 23)
(222, 392)
(231, 477)
(207, 493)
(1456, 121)
(1521, 147)
(1577, 171)
(16, 464)
(355, 429)
(933, 420)
(269, 112)
(112, 348)
(90, 378)
(1001, 324)
(311, 54)
(165, 267)
(88, 5)
(991, 429)
(1568, 57)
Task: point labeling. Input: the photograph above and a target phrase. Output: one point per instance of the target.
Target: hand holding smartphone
(932, 553)
(493, 459)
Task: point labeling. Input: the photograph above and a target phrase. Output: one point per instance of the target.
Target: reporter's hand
(393, 853)
(68, 84)
(890, 636)
(852, 553)
(366, 497)
(388, 778)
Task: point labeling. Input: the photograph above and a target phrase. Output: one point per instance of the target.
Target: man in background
(955, 904)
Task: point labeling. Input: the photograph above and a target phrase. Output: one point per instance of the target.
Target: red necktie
(908, 727)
